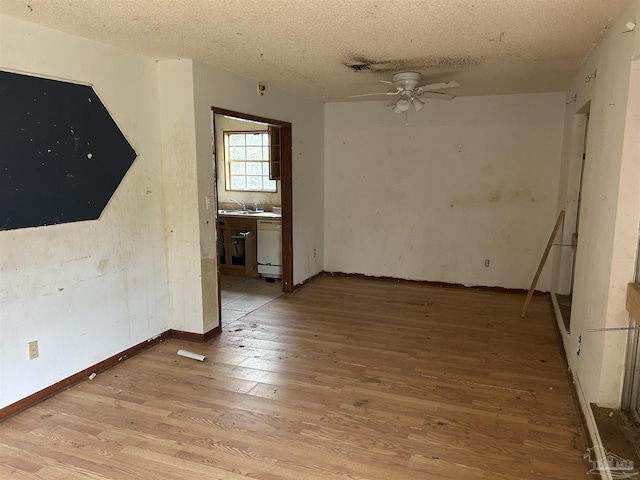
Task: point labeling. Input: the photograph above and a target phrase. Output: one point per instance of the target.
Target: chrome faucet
(242, 203)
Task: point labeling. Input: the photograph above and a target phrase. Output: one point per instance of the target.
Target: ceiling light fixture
(407, 92)
(403, 104)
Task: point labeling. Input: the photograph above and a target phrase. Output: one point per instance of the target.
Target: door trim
(285, 188)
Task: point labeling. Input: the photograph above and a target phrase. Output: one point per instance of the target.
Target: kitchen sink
(248, 212)
(234, 212)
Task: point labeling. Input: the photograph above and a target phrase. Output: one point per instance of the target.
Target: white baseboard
(592, 428)
(587, 413)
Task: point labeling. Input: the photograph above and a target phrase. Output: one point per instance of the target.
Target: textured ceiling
(488, 46)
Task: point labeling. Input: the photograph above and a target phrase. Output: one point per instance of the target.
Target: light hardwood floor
(345, 378)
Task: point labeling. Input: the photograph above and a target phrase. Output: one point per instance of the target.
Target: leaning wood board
(541, 264)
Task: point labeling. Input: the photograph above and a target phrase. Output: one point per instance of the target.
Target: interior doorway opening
(631, 387)
(564, 296)
(244, 201)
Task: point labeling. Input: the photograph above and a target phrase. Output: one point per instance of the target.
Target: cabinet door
(274, 153)
(222, 243)
(250, 245)
(240, 246)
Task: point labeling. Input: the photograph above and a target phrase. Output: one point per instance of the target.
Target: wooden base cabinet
(237, 244)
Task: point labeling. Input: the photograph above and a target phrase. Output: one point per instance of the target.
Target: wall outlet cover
(33, 350)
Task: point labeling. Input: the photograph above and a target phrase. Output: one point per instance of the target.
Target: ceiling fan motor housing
(406, 80)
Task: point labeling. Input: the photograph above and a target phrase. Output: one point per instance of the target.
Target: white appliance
(270, 248)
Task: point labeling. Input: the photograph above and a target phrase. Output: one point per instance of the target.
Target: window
(247, 161)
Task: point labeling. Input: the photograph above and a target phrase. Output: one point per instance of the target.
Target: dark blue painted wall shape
(61, 154)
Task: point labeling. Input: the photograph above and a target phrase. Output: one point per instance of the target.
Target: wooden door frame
(286, 186)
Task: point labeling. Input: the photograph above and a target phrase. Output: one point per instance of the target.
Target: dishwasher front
(270, 248)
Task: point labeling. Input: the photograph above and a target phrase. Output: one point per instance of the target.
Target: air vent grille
(360, 67)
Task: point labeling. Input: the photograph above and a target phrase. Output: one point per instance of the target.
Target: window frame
(228, 161)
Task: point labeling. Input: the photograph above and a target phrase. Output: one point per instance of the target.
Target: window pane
(254, 139)
(254, 168)
(254, 182)
(237, 153)
(265, 169)
(236, 139)
(254, 153)
(265, 153)
(269, 185)
(238, 183)
(238, 168)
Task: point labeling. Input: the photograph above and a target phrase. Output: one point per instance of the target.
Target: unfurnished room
(330, 240)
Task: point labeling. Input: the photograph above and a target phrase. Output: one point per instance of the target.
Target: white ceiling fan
(408, 92)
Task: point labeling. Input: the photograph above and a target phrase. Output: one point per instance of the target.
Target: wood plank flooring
(343, 379)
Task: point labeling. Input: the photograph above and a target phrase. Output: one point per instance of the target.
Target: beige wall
(610, 208)
(181, 205)
(85, 290)
(468, 180)
(89, 290)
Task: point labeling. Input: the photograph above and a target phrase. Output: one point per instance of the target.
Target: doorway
(631, 388)
(564, 296)
(241, 287)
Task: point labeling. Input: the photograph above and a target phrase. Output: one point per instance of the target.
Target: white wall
(180, 193)
(468, 180)
(85, 290)
(610, 209)
(223, 89)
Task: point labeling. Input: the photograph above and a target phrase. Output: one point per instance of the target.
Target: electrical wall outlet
(487, 262)
(33, 350)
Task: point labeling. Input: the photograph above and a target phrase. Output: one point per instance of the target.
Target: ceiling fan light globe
(417, 104)
(402, 104)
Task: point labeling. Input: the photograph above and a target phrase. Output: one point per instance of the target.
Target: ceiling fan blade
(371, 94)
(438, 86)
(441, 96)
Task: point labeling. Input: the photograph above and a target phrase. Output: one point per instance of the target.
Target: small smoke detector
(360, 67)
